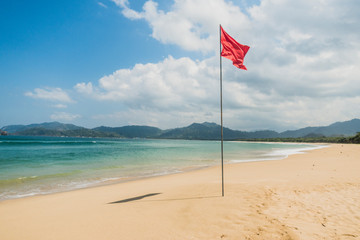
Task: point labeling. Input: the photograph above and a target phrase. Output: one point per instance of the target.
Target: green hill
(199, 131)
(132, 131)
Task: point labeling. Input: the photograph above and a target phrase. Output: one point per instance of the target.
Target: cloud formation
(303, 60)
(64, 116)
(101, 4)
(51, 94)
(302, 67)
(172, 83)
(192, 25)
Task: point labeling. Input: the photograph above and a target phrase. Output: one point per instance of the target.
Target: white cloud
(305, 41)
(170, 84)
(60, 105)
(121, 3)
(84, 88)
(177, 92)
(51, 94)
(64, 116)
(128, 12)
(101, 4)
(165, 94)
(193, 25)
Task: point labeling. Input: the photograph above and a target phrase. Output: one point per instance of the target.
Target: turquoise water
(40, 165)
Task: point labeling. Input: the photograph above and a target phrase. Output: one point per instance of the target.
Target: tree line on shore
(321, 139)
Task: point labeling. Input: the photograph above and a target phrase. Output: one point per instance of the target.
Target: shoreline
(274, 155)
(306, 196)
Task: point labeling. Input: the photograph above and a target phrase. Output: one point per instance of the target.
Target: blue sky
(120, 62)
(58, 43)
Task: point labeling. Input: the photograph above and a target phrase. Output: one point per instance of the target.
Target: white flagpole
(221, 116)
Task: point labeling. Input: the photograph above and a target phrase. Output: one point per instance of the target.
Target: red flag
(233, 50)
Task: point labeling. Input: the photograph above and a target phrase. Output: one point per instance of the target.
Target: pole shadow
(135, 198)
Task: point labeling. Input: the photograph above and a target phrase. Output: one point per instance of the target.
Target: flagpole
(236, 53)
(221, 117)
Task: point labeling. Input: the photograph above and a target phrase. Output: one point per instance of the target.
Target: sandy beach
(315, 195)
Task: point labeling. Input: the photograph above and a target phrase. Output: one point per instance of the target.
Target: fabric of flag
(233, 50)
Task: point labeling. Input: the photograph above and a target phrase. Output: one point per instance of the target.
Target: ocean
(41, 165)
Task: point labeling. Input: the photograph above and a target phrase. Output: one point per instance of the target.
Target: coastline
(306, 196)
(92, 163)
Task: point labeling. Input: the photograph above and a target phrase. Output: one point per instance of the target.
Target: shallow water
(40, 165)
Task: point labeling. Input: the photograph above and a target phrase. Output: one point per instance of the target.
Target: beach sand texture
(306, 196)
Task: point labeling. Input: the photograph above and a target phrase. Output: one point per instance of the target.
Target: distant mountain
(47, 125)
(212, 131)
(263, 134)
(132, 131)
(54, 129)
(194, 131)
(347, 128)
(200, 131)
(81, 132)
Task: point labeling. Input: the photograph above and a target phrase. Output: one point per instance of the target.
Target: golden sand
(306, 196)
